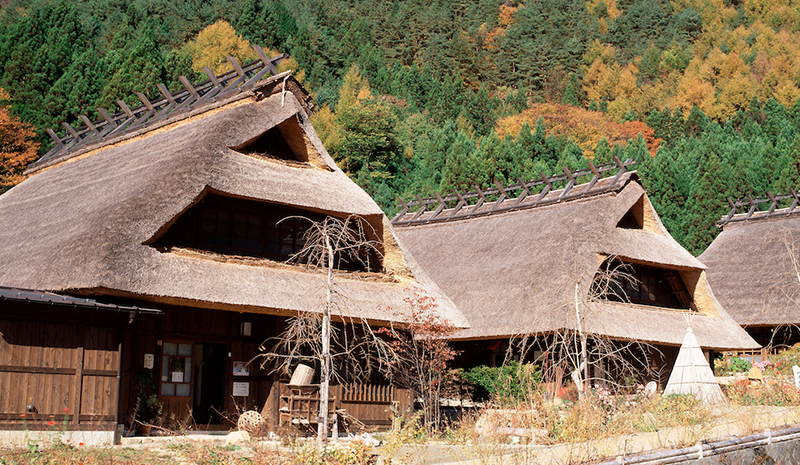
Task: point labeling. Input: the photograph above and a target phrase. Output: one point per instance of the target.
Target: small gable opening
(248, 228)
(619, 281)
(286, 141)
(634, 217)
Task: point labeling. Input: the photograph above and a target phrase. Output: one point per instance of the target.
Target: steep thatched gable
(519, 271)
(84, 223)
(753, 263)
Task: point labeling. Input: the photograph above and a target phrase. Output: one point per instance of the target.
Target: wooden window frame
(210, 225)
(653, 286)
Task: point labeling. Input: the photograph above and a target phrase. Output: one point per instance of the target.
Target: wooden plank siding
(60, 367)
(81, 365)
(201, 327)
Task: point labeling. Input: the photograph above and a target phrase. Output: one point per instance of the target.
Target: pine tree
(707, 203)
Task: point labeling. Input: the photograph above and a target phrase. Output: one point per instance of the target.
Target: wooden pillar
(78, 383)
(117, 404)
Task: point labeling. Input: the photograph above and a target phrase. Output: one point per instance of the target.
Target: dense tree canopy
(414, 97)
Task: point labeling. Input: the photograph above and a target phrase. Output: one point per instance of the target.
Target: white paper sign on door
(241, 389)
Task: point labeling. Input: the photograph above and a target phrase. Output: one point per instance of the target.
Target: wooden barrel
(303, 374)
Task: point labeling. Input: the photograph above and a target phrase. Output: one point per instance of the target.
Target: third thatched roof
(754, 268)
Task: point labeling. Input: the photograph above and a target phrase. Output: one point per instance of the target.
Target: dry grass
(184, 451)
(62, 453)
(535, 431)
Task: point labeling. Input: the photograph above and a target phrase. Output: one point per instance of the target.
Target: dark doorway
(210, 387)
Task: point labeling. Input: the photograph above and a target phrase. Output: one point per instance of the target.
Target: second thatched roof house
(180, 217)
(536, 258)
(754, 267)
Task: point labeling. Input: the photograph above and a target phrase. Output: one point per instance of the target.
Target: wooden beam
(422, 207)
(480, 201)
(71, 130)
(546, 190)
(78, 380)
(569, 185)
(145, 101)
(774, 203)
(88, 124)
(189, 87)
(441, 206)
(621, 171)
(503, 196)
(54, 136)
(525, 191)
(167, 95)
(595, 178)
(460, 204)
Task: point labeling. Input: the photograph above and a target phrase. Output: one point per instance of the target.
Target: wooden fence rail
(370, 404)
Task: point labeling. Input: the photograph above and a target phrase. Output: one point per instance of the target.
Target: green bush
(738, 365)
(508, 384)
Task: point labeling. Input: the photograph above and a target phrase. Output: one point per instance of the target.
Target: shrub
(784, 360)
(509, 384)
(772, 392)
(738, 365)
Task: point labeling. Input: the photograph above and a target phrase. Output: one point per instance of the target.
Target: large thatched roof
(753, 267)
(516, 272)
(81, 223)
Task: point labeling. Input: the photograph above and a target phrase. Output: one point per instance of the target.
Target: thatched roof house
(194, 205)
(515, 261)
(96, 221)
(753, 266)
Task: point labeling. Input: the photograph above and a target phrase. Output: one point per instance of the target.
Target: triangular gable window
(633, 218)
(286, 141)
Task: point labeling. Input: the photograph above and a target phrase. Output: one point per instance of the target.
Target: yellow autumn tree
(733, 94)
(693, 91)
(18, 146)
(355, 88)
(786, 93)
(611, 7)
(353, 92)
(214, 44)
(626, 82)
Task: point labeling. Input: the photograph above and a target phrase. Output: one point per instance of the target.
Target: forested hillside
(419, 96)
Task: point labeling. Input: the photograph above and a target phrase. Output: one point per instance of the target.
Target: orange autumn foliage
(585, 127)
(504, 20)
(18, 147)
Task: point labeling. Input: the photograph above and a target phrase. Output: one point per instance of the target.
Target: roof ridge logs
(749, 205)
(479, 202)
(128, 120)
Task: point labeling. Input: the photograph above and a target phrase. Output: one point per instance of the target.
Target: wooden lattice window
(176, 369)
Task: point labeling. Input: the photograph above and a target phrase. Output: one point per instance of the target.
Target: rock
(755, 374)
(367, 439)
(650, 389)
(237, 436)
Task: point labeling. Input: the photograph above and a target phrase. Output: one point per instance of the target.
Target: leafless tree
(311, 336)
(574, 350)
